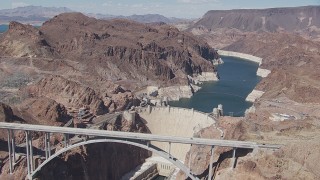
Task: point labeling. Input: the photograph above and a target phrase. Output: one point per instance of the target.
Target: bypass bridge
(74, 137)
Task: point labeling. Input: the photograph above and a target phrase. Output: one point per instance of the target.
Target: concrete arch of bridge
(140, 144)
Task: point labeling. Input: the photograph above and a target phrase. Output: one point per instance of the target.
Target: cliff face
(139, 50)
(221, 28)
(42, 111)
(68, 92)
(6, 114)
(296, 19)
(100, 161)
(78, 61)
(96, 161)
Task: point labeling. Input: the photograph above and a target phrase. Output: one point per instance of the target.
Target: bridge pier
(31, 153)
(28, 154)
(13, 143)
(66, 140)
(47, 148)
(169, 150)
(211, 162)
(233, 157)
(9, 149)
(190, 158)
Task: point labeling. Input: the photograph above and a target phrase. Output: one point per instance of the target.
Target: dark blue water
(3, 28)
(237, 79)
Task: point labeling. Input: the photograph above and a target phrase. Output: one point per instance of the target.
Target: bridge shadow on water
(224, 156)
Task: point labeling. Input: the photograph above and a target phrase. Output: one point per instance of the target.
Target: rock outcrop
(69, 93)
(128, 49)
(42, 111)
(24, 41)
(6, 114)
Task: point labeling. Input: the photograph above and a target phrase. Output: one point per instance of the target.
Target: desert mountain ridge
(303, 20)
(91, 58)
(38, 14)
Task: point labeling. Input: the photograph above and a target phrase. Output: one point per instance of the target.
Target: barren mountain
(34, 11)
(38, 14)
(30, 14)
(24, 41)
(296, 19)
(102, 54)
(221, 28)
(149, 18)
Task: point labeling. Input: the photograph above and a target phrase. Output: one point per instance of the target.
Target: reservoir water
(3, 28)
(237, 79)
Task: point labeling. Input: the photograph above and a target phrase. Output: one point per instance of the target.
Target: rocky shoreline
(175, 92)
(255, 94)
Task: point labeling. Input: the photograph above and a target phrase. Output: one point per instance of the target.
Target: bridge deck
(137, 136)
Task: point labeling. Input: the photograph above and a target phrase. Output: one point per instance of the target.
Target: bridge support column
(49, 145)
(31, 153)
(9, 149)
(47, 148)
(66, 140)
(28, 154)
(233, 157)
(169, 150)
(211, 162)
(13, 142)
(190, 158)
(45, 145)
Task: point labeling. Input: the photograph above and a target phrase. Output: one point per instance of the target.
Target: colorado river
(237, 79)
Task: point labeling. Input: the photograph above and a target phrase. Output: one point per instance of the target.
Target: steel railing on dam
(97, 136)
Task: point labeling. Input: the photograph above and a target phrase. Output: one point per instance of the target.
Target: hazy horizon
(173, 8)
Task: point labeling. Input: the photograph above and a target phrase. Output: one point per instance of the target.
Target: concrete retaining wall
(241, 55)
(173, 121)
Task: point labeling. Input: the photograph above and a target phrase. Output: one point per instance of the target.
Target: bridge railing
(113, 135)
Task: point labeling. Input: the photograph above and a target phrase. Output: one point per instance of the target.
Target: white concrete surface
(241, 55)
(175, 122)
(174, 93)
(146, 168)
(164, 166)
(205, 76)
(255, 94)
(263, 72)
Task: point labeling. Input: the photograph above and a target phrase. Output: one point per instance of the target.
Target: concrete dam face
(173, 121)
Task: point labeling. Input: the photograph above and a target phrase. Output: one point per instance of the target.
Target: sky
(169, 8)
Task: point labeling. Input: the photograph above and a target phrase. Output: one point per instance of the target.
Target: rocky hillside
(81, 61)
(127, 49)
(294, 62)
(288, 41)
(117, 48)
(303, 20)
(24, 41)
